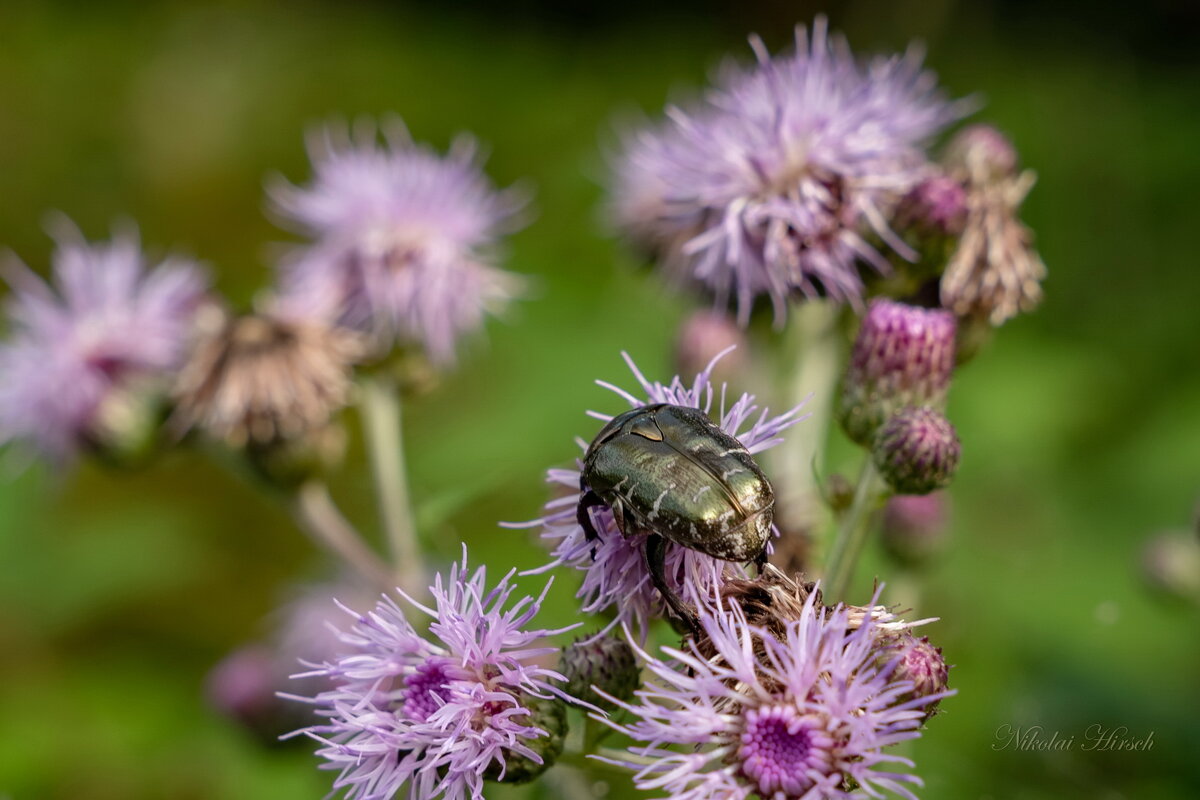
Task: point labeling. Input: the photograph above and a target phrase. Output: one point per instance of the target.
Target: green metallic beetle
(668, 471)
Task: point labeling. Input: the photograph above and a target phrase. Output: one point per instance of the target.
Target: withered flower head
(773, 600)
(262, 378)
(995, 273)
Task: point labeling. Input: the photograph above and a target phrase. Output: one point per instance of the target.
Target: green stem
(853, 532)
(581, 760)
(319, 517)
(385, 448)
(565, 784)
(594, 732)
(811, 364)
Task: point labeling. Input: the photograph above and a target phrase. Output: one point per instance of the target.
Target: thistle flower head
(903, 355)
(265, 377)
(804, 715)
(603, 662)
(995, 272)
(107, 321)
(617, 578)
(403, 238)
(771, 186)
(917, 450)
(437, 713)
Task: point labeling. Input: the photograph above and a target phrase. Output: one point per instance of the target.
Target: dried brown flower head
(995, 272)
(260, 379)
(772, 600)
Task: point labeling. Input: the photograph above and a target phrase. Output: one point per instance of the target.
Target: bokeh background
(1081, 423)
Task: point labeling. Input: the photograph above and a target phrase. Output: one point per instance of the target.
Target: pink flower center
(427, 689)
(783, 750)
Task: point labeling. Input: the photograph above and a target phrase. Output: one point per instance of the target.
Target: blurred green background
(1081, 423)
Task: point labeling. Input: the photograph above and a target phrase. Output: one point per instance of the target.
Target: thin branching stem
(810, 368)
(380, 403)
(853, 532)
(317, 514)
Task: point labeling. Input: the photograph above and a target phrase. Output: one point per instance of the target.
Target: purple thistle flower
(403, 238)
(106, 320)
(772, 184)
(618, 578)
(436, 713)
(781, 718)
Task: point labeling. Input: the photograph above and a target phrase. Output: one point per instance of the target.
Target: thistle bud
(917, 450)
(903, 356)
(983, 153)
(1171, 565)
(702, 337)
(920, 663)
(124, 430)
(914, 527)
(242, 686)
(937, 206)
(606, 663)
(550, 715)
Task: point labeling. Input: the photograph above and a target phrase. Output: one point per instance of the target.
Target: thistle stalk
(811, 366)
(380, 404)
(852, 533)
(319, 517)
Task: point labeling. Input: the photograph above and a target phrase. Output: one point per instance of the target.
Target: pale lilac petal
(110, 317)
(432, 713)
(767, 187)
(404, 239)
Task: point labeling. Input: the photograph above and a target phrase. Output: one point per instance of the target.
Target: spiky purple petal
(433, 713)
(773, 185)
(403, 238)
(106, 318)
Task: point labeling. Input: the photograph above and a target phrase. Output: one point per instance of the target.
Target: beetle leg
(583, 515)
(760, 562)
(656, 553)
(618, 514)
